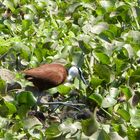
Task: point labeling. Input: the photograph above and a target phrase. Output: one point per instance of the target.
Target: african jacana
(51, 75)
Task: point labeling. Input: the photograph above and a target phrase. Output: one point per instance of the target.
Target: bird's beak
(82, 77)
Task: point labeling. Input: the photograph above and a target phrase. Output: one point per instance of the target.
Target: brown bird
(46, 76)
(51, 75)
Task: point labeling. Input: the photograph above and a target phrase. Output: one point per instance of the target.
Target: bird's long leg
(40, 95)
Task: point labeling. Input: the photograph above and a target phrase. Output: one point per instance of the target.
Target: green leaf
(26, 97)
(2, 86)
(122, 54)
(11, 107)
(53, 131)
(53, 90)
(7, 75)
(8, 136)
(26, 24)
(97, 98)
(100, 135)
(86, 48)
(103, 71)
(107, 4)
(4, 110)
(132, 133)
(130, 50)
(7, 23)
(64, 90)
(22, 110)
(103, 58)
(135, 77)
(134, 35)
(77, 58)
(36, 132)
(106, 36)
(30, 122)
(115, 136)
(39, 54)
(89, 126)
(69, 128)
(126, 91)
(99, 28)
(21, 47)
(95, 81)
(115, 31)
(135, 118)
(31, 7)
(3, 122)
(124, 114)
(120, 65)
(114, 92)
(108, 101)
(9, 5)
(72, 7)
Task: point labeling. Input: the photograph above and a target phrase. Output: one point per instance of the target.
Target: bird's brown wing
(48, 74)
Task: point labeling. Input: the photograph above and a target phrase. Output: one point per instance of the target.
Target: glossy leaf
(22, 111)
(28, 123)
(126, 91)
(103, 58)
(115, 136)
(120, 66)
(114, 92)
(70, 128)
(64, 90)
(95, 81)
(108, 102)
(53, 131)
(11, 107)
(103, 71)
(84, 47)
(135, 118)
(26, 98)
(3, 122)
(89, 127)
(9, 5)
(124, 114)
(97, 29)
(134, 77)
(101, 134)
(97, 98)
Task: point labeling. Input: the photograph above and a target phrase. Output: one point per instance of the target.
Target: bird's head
(74, 72)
